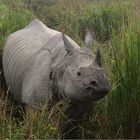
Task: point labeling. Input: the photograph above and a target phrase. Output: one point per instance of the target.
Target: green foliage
(125, 99)
(118, 114)
(73, 18)
(12, 20)
(38, 122)
(100, 20)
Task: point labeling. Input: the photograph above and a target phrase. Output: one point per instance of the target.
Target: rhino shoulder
(36, 84)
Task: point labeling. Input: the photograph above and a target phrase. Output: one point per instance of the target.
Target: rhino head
(83, 78)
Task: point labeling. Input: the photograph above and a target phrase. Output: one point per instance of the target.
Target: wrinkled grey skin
(41, 64)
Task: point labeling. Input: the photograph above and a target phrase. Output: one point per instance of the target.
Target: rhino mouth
(95, 94)
(89, 94)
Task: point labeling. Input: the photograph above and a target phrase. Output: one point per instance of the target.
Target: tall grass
(12, 19)
(118, 114)
(72, 17)
(124, 100)
(117, 32)
(38, 122)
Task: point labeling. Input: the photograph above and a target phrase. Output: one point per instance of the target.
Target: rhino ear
(89, 39)
(98, 58)
(68, 46)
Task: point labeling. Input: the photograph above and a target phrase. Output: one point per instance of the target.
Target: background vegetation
(116, 25)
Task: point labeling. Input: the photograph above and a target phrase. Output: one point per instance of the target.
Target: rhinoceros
(42, 64)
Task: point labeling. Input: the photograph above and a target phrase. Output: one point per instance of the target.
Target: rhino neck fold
(57, 75)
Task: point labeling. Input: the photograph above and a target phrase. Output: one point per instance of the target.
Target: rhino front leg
(36, 86)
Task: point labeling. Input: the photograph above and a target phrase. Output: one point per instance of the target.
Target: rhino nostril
(93, 83)
(79, 73)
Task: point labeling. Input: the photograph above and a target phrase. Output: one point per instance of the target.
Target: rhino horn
(68, 46)
(98, 57)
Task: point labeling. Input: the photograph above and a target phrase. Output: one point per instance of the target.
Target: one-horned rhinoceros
(41, 64)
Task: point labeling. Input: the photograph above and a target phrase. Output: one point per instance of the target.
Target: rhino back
(20, 51)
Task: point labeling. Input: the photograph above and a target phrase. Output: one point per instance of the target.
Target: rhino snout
(103, 91)
(96, 90)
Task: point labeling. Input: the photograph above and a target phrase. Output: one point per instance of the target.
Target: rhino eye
(78, 73)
